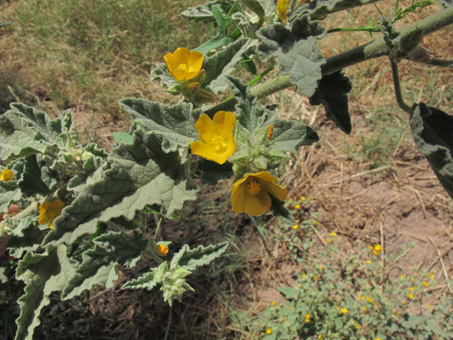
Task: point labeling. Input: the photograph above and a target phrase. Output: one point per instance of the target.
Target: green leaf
(332, 92)
(190, 259)
(289, 135)
(223, 63)
(432, 133)
(9, 193)
(296, 50)
(204, 12)
(145, 281)
(3, 277)
(25, 131)
(30, 181)
(43, 274)
(212, 172)
(99, 264)
(175, 124)
(135, 176)
(26, 236)
(288, 292)
(160, 73)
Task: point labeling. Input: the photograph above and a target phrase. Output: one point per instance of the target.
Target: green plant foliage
(204, 12)
(296, 50)
(431, 129)
(190, 259)
(136, 175)
(99, 264)
(25, 236)
(332, 92)
(321, 8)
(43, 274)
(174, 124)
(9, 193)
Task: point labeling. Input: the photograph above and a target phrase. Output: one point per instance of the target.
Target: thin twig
(397, 86)
(444, 270)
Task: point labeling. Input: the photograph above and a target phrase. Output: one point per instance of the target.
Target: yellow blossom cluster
(49, 211)
(6, 175)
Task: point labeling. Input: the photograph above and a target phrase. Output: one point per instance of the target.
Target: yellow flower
(365, 309)
(252, 193)
(333, 234)
(268, 331)
(377, 249)
(162, 250)
(307, 318)
(411, 289)
(368, 262)
(426, 284)
(357, 326)
(6, 175)
(49, 211)
(282, 9)
(303, 275)
(362, 297)
(184, 64)
(328, 240)
(273, 303)
(344, 310)
(270, 132)
(431, 276)
(410, 296)
(217, 141)
(295, 227)
(302, 198)
(370, 299)
(297, 206)
(377, 339)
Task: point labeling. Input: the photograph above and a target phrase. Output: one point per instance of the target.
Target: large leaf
(296, 50)
(432, 132)
(25, 130)
(332, 92)
(223, 62)
(288, 134)
(26, 236)
(175, 124)
(204, 12)
(99, 264)
(30, 181)
(43, 274)
(136, 175)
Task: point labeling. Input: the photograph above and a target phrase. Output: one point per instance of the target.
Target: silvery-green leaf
(25, 130)
(25, 236)
(175, 124)
(289, 135)
(204, 12)
(296, 50)
(321, 8)
(43, 274)
(135, 176)
(9, 193)
(160, 73)
(332, 92)
(432, 133)
(145, 281)
(190, 259)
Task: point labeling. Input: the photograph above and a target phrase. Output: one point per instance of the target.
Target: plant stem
(397, 86)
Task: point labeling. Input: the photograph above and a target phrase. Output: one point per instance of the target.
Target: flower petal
(275, 190)
(205, 128)
(207, 151)
(258, 204)
(238, 196)
(224, 123)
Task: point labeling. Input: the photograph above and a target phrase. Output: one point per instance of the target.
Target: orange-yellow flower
(184, 64)
(252, 193)
(6, 175)
(217, 141)
(282, 9)
(49, 211)
(162, 250)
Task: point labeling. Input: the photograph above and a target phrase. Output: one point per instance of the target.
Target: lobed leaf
(431, 130)
(190, 259)
(135, 176)
(9, 193)
(175, 124)
(204, 12)
(145, 281)
(321, 8)
(25, 130)
(296, 50)
(332, 92)
(26, 236)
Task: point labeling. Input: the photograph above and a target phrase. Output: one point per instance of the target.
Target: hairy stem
(397, 87)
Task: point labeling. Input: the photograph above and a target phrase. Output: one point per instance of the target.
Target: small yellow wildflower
(402, 277)
(333, 234)
(307, 318)
(282, 9)
(303, 275)
(377, 339)
(328, 240)
(184, 64)
(377, 249)
(49, 211)
(357, 326)
(273, 303)
(344, 310)
(6, 175)
(268, 331)
(315, 278)
(411, 289)
(430, 306)
(431, 276)
(368, 262)
(251, 194)
(217, 141)
(370, 299)
(270, 132)
(426, 284)
(362, 297)
(302, 198)
(370, 247)
(316, 223)
(410, 296)
(365, 309)
(297, 206)
(295, 227)
(162, 250)
(321, 267)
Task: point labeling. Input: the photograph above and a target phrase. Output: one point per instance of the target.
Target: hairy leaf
(175, 124)
(26, 236)
(332, 92)
(25, 130)
(9, 193)
(204, 12)
(30, 181)
(190, 259)
(432, 133)
(223, 63)
(296, 50)
(289, 135)
(160, 73)
(135, 176)
(99, 264)
(43, 274)
(145, 281)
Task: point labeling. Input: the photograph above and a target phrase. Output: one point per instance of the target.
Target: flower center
(182, 67)
(253, 188)
(219, 143)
